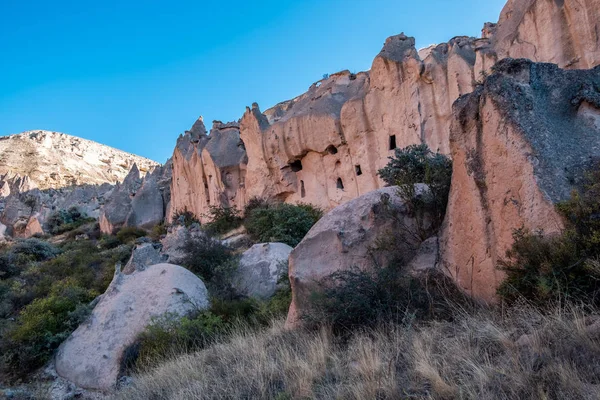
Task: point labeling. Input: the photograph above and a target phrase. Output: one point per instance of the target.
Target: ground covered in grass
(517, 353)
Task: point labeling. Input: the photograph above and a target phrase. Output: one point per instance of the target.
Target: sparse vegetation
(185, 218)
(279, 222)
(222, 220)
(45, 291)
(67, 220)
(417, 164)
(560, 267)
(482, 354)
(128, 234)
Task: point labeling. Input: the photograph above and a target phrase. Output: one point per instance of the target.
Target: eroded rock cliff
(519, 143)
(326, 146)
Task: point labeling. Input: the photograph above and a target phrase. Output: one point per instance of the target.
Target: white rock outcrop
(91, 356)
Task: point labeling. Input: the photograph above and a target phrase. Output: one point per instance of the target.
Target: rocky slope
(53, 160)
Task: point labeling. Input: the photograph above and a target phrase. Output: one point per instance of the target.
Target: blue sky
(136, 74)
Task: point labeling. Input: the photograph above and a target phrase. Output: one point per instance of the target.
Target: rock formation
(260, 269)
(519, 143)
(325, 146)
(208, 170)
(140, 202)
(91, 356)
(52, 160)
(351, 236)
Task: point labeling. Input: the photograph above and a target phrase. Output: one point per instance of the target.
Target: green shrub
(34, 249)
(351, 299)
(560, 267)
(42, 326)
(67, 220)
(169, 335)
(204, 255)
(222, 219)
(417, 164)
(158, 231)
(128, 234)
(284, 223)
(185, 218)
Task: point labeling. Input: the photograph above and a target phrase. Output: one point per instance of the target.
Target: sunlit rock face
(519, 143)
(326, 145)
(208, 170)
(53, 160)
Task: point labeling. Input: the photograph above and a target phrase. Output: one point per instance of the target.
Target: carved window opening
(339, 184)
(296, 165)
(358, 170)
(393, 142)
(332, 149)
(302, 190)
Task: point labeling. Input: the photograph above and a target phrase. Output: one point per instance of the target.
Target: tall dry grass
(520, 353)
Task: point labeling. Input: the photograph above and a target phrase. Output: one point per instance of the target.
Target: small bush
(351, 299)
(185, 218)
(67, 220)
(34, 249)
(561, 267)
(128, 234)
(158, 231)
(222, 219)
(284, 223)
(42, 326)
(417, 164)
(204, 255)
(171, 334)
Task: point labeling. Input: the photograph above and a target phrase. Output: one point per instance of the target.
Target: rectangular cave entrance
(393, 142)
(358, 170)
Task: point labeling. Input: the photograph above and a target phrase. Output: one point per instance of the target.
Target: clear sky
(135, 74)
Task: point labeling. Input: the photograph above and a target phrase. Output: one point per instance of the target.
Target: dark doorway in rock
(339, 184)
(358, 170)
(331, 149)
(296, 165)
(302, 190)
(393, 142)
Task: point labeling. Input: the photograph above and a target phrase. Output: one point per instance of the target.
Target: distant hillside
(47, 160)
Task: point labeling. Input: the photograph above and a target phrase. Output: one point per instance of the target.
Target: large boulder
(351, 235)
(91, 356)
(260, 268)
(519, 144)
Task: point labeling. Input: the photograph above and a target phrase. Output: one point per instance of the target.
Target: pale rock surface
(52, 160)
(519, 143)
(260, 268)
(208, 170)
(325, 146)
(91, 356)
(348, 237)
(143, 256)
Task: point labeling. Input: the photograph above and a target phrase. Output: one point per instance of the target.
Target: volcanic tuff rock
(325, 146)
(208, 170)
(351, 236)
(52, 160)
(519, 143)
(91, 356)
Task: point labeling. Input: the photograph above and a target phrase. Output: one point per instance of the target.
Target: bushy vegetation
(45, 291)
(222, 220)
(561, 267)
(279, 222)
(354, 299)
(417, 164)
(185, 218)
(170, 335)
(67, 220)
(128, 234)
(206, 256)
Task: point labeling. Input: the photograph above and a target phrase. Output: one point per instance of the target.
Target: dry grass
(518, 354)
